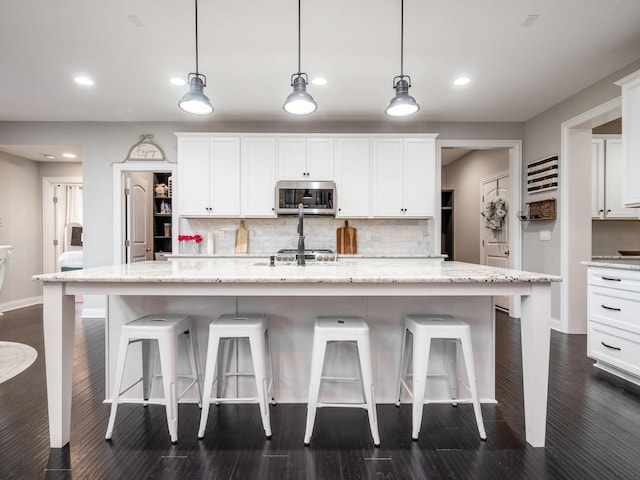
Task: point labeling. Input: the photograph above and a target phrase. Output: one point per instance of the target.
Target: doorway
(120, 205)
(62, 209)
(513, 149)
(575, 246)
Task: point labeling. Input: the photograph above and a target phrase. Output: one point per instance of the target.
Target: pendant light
(195, 101)
(402, 104)
(299, 102)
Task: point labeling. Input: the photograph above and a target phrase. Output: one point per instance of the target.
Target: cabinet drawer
(615, 346)
(619, 308)
(615, 278)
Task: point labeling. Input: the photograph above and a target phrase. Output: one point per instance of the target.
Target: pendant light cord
(197, 71)
(401, 38)
(299, 36)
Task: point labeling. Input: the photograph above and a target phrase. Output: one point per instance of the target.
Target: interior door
(495, 243)
(138, 216)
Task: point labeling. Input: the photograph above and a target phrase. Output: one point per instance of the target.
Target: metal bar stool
(226, 330)
(165, 330)
(452, 332)
(341, 329)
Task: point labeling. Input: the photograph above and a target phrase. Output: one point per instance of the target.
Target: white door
(139, 216)
(495, 242)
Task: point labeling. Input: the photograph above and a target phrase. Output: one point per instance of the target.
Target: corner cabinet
(209, 176)
(404, 177)
(630, 86)
(613, 334)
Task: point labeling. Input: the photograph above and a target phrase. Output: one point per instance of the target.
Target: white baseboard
(23, 302)
(555, 324)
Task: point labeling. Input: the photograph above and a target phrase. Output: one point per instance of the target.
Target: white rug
(14, 358)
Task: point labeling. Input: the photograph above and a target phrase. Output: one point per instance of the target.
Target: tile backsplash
(267, 236)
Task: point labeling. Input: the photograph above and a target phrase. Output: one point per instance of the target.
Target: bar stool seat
(329, 329)
(164, 329)
(452, 332)
(224, 333)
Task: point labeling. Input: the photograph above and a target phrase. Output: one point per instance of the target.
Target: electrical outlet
(220, 234)
(367, 235)
(545, 234)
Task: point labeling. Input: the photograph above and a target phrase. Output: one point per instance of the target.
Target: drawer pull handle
(609, 346)
(611, 279)
(610, 308)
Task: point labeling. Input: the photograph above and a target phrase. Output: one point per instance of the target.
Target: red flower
(197, 238)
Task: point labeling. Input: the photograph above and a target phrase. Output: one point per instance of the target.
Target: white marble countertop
(251, 270)
(615, 257)
(623, 264)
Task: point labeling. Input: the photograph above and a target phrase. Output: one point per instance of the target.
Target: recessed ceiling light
(177, 81)
(82, 80)
(461, 81)
(48, 156)
(69, 155)
(319, 81)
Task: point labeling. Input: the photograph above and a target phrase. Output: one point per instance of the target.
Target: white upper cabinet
(259, 176)
(608, 179)
(301, 158)
(209, 176)
(404, 177)
(193, 176)
(353, 177)
(631, 138)
(225, 176)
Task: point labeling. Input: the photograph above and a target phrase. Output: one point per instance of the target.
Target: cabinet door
(419, 177)
(631, 137)
(258, 176)
(353, 177)
(319, 159)
(292, 158)
(614, 179)
(225, 176)
(388, 177)
(597, 178)
(193, 176)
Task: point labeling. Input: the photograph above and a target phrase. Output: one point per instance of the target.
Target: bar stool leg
(148, 369)
(449, 362)
(258, 354)
(193, 360)
(404, 364)
(420, 368)
(471, 373)
(169, 373)
(364, 354)
(115, 394)
(210, 369)
(272, 392)
(317, 361)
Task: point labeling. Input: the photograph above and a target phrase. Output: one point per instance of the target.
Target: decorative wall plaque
(146, 149)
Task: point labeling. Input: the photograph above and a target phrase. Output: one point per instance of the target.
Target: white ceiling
(248, 50)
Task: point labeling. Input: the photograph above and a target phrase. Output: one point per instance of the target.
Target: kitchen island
(382, 290)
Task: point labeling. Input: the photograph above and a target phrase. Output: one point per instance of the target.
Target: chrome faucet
(300, 234)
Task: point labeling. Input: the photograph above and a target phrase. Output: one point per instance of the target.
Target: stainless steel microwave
(317, 198)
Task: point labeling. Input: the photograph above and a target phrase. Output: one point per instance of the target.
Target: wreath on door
(495, 213)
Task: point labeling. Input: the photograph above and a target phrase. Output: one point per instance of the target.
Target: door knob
(506, 254)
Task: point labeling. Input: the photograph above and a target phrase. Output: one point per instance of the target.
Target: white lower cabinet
(614, 321)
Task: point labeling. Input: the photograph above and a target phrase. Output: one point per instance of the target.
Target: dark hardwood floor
(593, 428)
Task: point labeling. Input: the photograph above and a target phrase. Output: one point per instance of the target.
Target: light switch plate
(545, 234)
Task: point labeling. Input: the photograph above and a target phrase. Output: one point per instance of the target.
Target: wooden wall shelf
(536, 211)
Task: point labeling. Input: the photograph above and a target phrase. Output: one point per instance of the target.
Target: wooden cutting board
(242, 238)
(346, 239)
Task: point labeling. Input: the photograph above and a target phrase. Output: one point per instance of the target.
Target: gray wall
(20, 226)
(464, 176)
(609, 236)
(542, 137)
